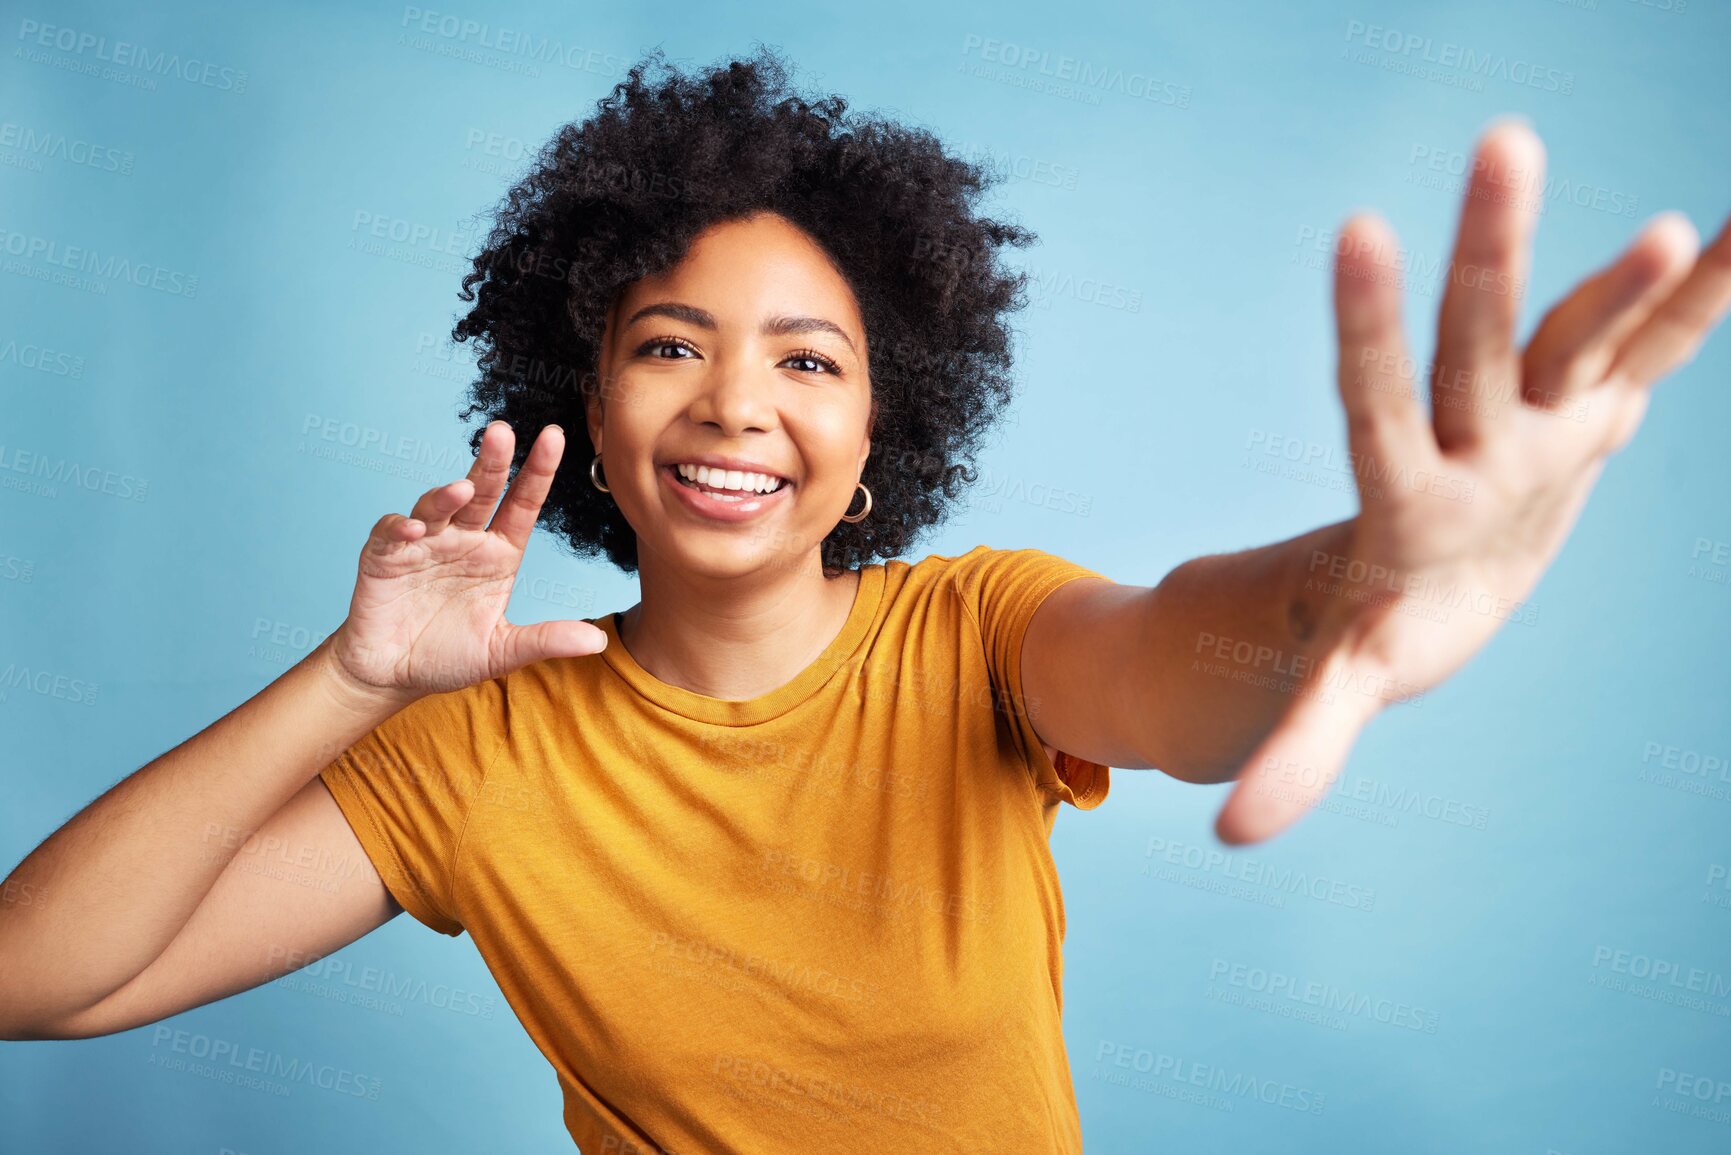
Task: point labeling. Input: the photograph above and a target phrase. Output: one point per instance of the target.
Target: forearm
(1237, 638)
(103, 896)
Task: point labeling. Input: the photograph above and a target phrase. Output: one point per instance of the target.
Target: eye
(814, 356)
(816, 362)
(668, 343)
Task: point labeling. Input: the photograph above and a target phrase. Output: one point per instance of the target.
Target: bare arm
(1192, 674)
(154, 871)
(139, 906)
(1266, 665)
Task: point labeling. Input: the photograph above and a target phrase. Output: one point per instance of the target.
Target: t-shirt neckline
(748, 711)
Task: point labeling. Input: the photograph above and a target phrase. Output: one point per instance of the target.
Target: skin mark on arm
(1301, 620)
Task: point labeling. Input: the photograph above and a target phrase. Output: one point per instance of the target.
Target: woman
(761, 863)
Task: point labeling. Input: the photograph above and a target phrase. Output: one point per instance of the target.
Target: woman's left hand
(1461, 510)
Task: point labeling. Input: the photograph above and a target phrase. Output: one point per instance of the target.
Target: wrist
(1335, 600)
(348, 692)
(1322, 601)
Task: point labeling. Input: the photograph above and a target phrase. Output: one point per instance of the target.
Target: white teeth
(729, 479)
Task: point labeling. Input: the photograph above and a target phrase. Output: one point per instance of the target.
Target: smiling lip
(717, 461)
(714, 508)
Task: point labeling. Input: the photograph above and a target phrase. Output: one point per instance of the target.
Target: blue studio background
(1539, 959)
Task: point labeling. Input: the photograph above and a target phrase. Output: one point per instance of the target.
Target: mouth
(727, 484)
(725, 495)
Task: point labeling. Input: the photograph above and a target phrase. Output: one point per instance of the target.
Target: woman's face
(751, 349)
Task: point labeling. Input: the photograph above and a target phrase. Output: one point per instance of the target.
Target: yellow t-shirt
(825, 919)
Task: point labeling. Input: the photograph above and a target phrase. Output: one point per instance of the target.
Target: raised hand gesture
(1468, 505)
(428, 612)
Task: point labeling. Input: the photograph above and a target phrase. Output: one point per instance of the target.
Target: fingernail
(1677, 221)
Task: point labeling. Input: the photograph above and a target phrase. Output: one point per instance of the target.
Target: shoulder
(989, 573)
(960, 568)
(998, 588)
(939, 575)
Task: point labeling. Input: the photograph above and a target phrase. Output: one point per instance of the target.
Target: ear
(592, 418)
(594, 411)
(871, 424)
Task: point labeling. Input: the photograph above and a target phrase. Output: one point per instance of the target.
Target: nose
(736, 397)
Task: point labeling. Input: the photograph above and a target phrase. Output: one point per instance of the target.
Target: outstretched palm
(1461, 510)
(428, 612)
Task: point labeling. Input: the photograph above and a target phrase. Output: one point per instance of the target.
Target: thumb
(563, 638)
(1292, 768)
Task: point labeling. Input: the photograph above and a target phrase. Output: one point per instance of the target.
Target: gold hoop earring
(596, 481)
(860, 516)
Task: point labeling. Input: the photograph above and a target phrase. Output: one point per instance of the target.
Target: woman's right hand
(428, 613)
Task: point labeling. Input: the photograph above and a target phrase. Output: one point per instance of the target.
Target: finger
(1474, 377)
(1576, 342)
(1295, 765)
(492, 466)
(516, 517)
(1671, 336)
(1375, 372)
(436, 506)
(390, 532)
(520, 645)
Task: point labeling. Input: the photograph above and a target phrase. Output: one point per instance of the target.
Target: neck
(735, 637)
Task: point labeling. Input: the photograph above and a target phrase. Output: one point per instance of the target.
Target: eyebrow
(772, 327)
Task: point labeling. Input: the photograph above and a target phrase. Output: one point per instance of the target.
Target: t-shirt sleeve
(406, 789)
(1000, 590)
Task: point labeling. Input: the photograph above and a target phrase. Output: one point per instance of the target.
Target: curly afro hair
(622, 195)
